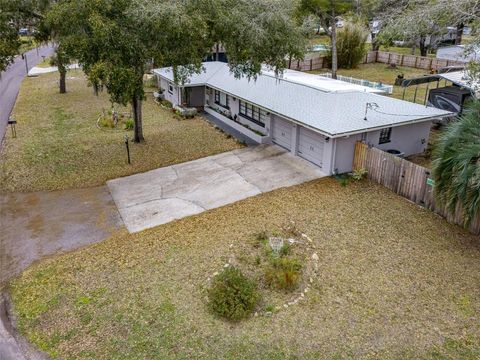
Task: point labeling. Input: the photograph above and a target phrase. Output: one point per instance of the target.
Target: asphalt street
(11, 80)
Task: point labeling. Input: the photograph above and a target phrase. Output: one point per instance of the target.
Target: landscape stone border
(313, 260)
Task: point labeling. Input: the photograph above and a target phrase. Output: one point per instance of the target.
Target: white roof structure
(321, 82)
(459, 78)
(330, 112)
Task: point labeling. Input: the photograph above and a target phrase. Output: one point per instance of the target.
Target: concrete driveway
(166, 194)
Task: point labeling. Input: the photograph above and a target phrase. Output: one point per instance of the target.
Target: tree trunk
(375, 44)
(423, 48)
(458, 37)
(334, 48)
(137, 118)
(414, 49)
(63, 84)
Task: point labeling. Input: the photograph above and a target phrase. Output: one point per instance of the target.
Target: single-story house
(458, 53)
(315, 120)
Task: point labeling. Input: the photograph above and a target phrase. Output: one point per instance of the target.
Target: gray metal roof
(332, 114)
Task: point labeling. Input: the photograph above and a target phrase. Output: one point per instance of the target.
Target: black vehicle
(449, 98)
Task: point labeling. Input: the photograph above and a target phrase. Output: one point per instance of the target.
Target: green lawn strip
(395, 281)
(59, 145)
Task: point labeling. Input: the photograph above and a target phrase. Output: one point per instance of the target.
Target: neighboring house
(458, 53)
(318, 123)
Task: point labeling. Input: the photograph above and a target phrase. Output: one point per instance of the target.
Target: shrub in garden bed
(167, 104)
(283, 273)
(232, 295)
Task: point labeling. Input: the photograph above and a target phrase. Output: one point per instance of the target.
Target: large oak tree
(115, 39)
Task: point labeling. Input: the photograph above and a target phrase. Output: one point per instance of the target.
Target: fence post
(311, 60)
(401, 61)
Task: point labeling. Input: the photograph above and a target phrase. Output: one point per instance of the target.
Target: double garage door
(310, 144)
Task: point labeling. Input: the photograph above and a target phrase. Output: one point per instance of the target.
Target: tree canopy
(115, 39)
(327, 12)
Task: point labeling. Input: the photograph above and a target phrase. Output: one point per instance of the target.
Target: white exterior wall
(344, 151)
(327, 147)
(173, 97)
(409, 139)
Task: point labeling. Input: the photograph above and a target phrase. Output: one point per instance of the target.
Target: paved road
(12, 78)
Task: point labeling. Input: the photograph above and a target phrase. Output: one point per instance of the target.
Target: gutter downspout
(334, 153)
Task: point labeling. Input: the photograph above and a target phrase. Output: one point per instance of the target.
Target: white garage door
(282, 133)
(310, 146)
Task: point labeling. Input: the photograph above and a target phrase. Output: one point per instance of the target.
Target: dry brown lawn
(395, 282)
(59, 146)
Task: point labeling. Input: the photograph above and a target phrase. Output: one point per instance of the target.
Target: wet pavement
(36, 225)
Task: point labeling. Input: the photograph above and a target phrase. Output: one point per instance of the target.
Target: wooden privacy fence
(419, 62)
(405, 178)
(315, 63)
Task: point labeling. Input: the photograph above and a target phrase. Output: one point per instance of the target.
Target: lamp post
(128, 148)
(24, 57)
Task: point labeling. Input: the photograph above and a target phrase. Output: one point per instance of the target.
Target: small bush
(106, 122)
(359, 174)
(261, 239)
(343, 179)
(285, 249)
(166, 104)
(129, 124)
(283, 273)
(232, 295)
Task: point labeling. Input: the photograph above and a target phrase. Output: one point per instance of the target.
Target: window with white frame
(385, 136)
(170, 88)
(252, 113)
(221, 99)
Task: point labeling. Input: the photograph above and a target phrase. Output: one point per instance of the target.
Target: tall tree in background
(9, 41)
(55, 29)
(15, 14)
(409, 21)
(115, 39)
(327, 12)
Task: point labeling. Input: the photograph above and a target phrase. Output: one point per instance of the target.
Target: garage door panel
(310, 146)
(282, 133)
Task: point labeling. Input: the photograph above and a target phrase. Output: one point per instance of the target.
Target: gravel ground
(395, 281)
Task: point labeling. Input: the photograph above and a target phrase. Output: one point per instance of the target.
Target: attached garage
(282, 133)
(310, 146)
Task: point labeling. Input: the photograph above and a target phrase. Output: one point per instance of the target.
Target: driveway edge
(13, 346)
